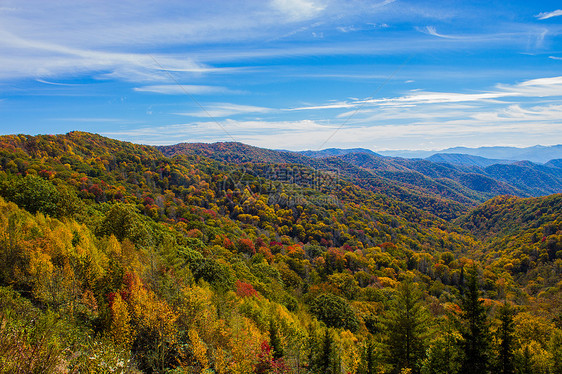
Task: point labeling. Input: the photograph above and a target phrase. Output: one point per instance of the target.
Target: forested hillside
(117, 257)
(440, 186)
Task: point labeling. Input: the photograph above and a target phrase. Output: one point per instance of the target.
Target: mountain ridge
(418, 181)
(538, 153)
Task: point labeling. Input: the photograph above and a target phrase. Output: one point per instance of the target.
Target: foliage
(475, 341)
(407, 325)
(118, 258)
(335, 311)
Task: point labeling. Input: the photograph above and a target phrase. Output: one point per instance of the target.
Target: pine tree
(325, 361)
(368, 358)
(556, 352)
(505, 335)
(407, 326)
(442, 354)
(474, 330)
(275, 340)
(525, 364)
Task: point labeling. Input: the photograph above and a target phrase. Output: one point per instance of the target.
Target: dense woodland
(122, 258)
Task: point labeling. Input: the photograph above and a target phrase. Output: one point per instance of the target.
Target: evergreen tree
(275, 340)
(325, 361)
(475, 342)
(505, 335)
(407, 326)
(556, 352)
(525, 362)
(368, 358)
(442, 354)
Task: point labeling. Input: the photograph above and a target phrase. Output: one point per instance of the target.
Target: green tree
(368, 358)
(335, 311)
(125, 222)
(475, 342)
(275, 340)
(33, 193)
(556, 351)
(442, 354)
(407, 325)
(506, 340)
(325, 360)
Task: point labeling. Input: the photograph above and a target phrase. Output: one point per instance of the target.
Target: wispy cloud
(208, 131)
(547, 15)
(306, 134)
(515, 113)
(298, 10)
(176, 89)
(219, 110)
(93, 119)
(431, 30)
(57, 83)
(340, 105)
(27, 57)
(542, 87)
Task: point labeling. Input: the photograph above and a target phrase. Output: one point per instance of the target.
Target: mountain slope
(521, 236)
(538, 154)
(329, 152)
(116, 257)
(532, 179)
(422, 198)
(444, 189)
(465, 160)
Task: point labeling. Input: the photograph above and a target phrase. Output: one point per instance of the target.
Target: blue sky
(285, 74)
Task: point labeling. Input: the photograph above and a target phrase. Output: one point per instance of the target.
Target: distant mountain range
(336, 152)
(445, 184)
(540, 154)
(466, 160)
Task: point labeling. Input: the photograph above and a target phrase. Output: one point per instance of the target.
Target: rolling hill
(229, 258)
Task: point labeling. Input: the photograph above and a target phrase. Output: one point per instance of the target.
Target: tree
(325, 360)
(556, 352)
(506, 339)
(34, 194)
(406, 324)
(335, 311)
(369, 358)
(275, 340)
(475, 342)
(442, 356)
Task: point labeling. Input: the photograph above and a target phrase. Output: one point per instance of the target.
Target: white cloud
(183, 89)
(326, 106)
(298, 10)
(546, 15)
(218, 110)
(57, 83)
(542, 87)
(555, 58)
(432, 31)
(308, 134)
(515, 113)
(26, 57)
(211, 131)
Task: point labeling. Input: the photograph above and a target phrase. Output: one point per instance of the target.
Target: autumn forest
(225, 258)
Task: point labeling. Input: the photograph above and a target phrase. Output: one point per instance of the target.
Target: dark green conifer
(368, 358)
(506, 339)
(275, 340)
(474, 328)
(407, 326)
